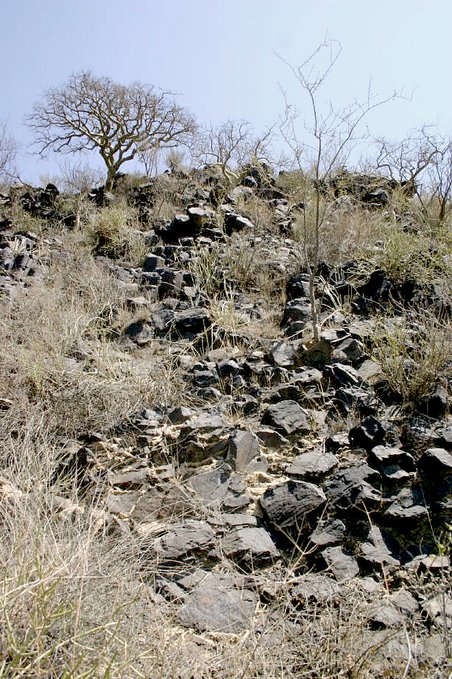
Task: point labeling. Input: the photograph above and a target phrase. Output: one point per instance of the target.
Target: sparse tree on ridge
(231, 144)
(329, 136)
(119, 121)
(8, 151)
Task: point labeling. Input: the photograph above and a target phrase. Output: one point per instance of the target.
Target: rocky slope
(282, 473)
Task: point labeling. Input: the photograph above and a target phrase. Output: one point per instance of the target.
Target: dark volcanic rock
(368, 434)
(289, 504)
(312, 465)
(249, 546)
(328, 532)
(243, 448)
(184, 540)
(217, 606)
(342, 565)
(191, 322)
(287, 417)
(354, 486)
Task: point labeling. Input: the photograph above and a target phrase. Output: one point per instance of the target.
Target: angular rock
(315, 587)
(139, 332)
(328, 532)
(436, 462)
(434, 405)
(287, 417)
(385, 614)
(153, 262)
(234, 222)
(184, 540)
(383, 456)
(271, 438)
(353, 486)
(368, 434)
(243, 448)
(408, 507)
(375, 551)
(313, 465)
(343, 566)
(171, 283)
(215, 606)
(439, 610)
(289, 504)
(342, 375)
(249, 546)
(191, 322)
(211, 485)
(350, 349)
(284, 354)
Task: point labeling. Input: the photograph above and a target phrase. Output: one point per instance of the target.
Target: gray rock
(228, 367)
(343, 566)
(139, 332)
(180, 414)
(287, 417)
(436, 404)
(406, 507)
(190, 322)
(289, 504)
(436, 462)
(183, 540)
(243, 448)
(153, 262)
(232, 520)
(171, 283)
(271, 438)
(369, 371)
(210, 485)
(328, 532)
(249, 546)
(385, 614)
(350, 349)
(342, 375)
(368, 434)
(312, 465)
(215, 606)
(354, 485)
(234, 222)
(375, 551)
(315, 587)
(205, 378)
(386, 456)
(439, 610)
(284, 354)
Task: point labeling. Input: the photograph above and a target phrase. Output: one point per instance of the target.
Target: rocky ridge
(287, 464)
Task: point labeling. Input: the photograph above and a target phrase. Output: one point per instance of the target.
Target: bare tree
(423, 163)
(405, 161)
(231, 145)
(328, 136)
(439, 182)
(8, 150)
(119, 121)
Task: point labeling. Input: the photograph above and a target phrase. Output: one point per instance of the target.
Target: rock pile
(283, 446)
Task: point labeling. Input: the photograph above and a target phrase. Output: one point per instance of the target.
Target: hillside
(194, 484)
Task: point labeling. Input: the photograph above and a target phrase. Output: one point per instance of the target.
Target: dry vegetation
(75, 598)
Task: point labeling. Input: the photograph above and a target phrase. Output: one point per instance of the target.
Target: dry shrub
(114, 231)
(57, 355)
(413, 353)
(402, 255)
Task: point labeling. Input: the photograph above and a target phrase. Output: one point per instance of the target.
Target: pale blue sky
(221, 55)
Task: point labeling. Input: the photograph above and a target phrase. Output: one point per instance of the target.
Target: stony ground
(283, 505)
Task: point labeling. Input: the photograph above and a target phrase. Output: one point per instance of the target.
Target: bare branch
(120, 122)
(8, 150)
